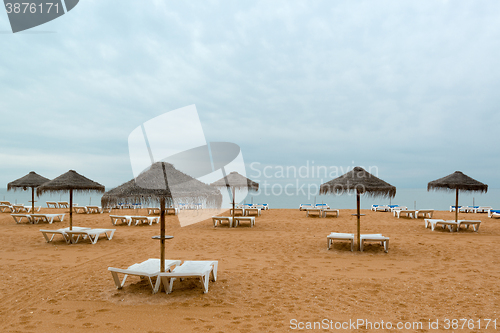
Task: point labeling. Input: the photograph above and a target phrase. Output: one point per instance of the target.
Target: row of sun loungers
(89, 209)
(384, 241)
(168, 211)
(135, 220)
(246, 211)
(414, 213)
(261, 206)
(322, 212)
(59, 204)
(452, 225)
(73, 236)
(471, 209)
(17, 208)
(205, 271)
(36, 218)
(233, 223)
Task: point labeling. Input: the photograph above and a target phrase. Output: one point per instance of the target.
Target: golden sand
(271, 278)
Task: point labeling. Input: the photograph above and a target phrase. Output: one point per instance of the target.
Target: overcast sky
(412, 88)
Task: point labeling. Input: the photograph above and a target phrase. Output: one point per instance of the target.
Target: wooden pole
(233, 205)
(162, 235)
(70, 209)
(32, 200)
(358, 217)
(456, 207)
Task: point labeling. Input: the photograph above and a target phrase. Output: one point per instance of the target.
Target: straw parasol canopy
(32, 180)
(162, 182)
(457, 181)
(235, 181)
(362, 182)
(70, 181)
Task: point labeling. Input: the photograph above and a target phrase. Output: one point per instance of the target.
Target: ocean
(293, 197)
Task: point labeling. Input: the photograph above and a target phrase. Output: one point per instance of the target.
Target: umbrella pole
(32, 200)
(71, 209)
(162, 235)
(456, 207)
(233, 206)
(358, 217)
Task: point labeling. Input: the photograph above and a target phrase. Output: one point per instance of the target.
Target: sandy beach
(274, 277)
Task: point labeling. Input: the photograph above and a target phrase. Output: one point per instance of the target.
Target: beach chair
(340, 236)
(314, 210)
(63, 204)
(19, 218)
(330, 211)
(171, 211)
(322, 206)
(452, 208)
(252, 210)
(154, 211)
(408, 212)
(145, 219)
(374, 207)
(237, 212)
(203, 270)
(51, 204)
(425, 213)
(149, 268)
(493, 211)
(304, 206)
(495, 215)
(94, 209)
(392, 209)
(61, 232)
(433, 223)
(91, 234)
(239, 219)
(37, 208)
(474, 223)
(124, 219)
(384, 241)
(482, 209)
(49, 218)
(6, 203)
(20, 208)
(6, 209)
(266, 206)
(382, 208)
(80, 210)
(219, 219)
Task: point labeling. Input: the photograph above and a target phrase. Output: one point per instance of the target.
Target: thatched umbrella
(235, 181)
(455, 182)
(32, 180)
(362, 182)
(70, 181)
(162, 182)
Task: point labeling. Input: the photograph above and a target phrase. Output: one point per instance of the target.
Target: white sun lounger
(49, 218)
(474, 223)
(80, 210)
(340, 236)
(63, 204)
(37, 208)
(171, 211)
(309, 211)
(398, 208)
(239, 219)
(6, 209)
(94, 210)
(249, 210)
(382, 208)
(325, 212)
(6, 203)
(219, 219)
(433, 223)
(237, 211)
(145, 219)
(384, 241)
(19, 208)
(305, 206)
(483, 209)
(203, 270)
(92, 234)
(425, 213)
(51, 204)
(149, 268)
(124, 219)
(153, 211)
(409, 212)
(495, 215)
(61, 232)
(19, 218)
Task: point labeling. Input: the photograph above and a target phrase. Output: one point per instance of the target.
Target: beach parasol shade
(32, 180)
(235, 181)
(162, 182)
(362, 182)
(457, 181)
(70, 181)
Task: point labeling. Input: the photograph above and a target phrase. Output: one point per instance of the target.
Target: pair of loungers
(76, 233)
(384, 241)
(452, 225)
(36, 218)
(233, 223)
(129, 219)
(322, 212)
(414, 213)
(202, 270)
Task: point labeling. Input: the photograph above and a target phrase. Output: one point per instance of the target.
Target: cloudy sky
(411, 88)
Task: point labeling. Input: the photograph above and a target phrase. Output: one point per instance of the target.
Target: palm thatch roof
(362, 181)
(457, 180)
(32, 179)
(162, 180)
(237, 181)
(70, 181)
